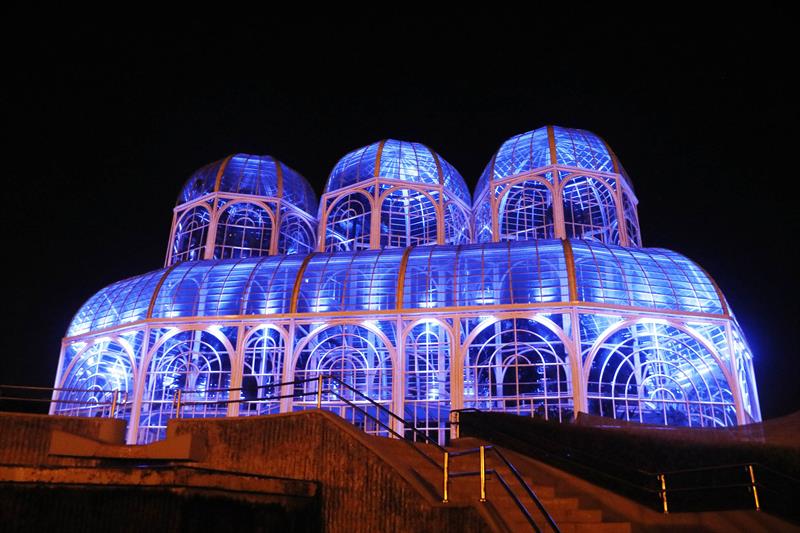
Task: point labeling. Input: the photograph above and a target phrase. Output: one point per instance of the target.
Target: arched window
(408, 218)
(243, 230)
(360, 361)
(658, 374)
(427, 396)
(526, 212)
(296, 235)
(518, 366)
(90, 384)
(191, 233)
(197, 364)
(263, 368)
(589, 210)
(348, 224)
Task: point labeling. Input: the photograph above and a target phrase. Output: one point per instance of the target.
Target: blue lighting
(537, 299)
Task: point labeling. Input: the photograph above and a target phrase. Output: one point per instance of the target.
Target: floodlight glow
(535, 298)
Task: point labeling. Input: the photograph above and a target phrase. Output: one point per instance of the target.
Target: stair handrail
(318, 393)
(117, 397)
(528, 489)
(662, 489)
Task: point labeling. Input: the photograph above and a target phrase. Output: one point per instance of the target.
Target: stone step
(603, 527)
(588, 516)
(507, 505)
(542, 491)
(554, 504)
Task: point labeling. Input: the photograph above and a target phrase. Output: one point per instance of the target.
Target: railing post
(483, 474)
(457, 424)
(663, 492)
(445, 474)
(753, 486)
(319, 391)
(176, 401)
(114, 396)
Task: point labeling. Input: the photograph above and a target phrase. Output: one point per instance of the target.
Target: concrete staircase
(500, 511)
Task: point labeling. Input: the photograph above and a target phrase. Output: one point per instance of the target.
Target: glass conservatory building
(536, 298)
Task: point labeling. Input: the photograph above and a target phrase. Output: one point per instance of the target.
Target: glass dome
(550, 145)
(255, 175)
(556, 182)
(535, 299)
(243, 206)
(400, 160)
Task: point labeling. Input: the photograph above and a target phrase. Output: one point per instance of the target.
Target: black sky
(105, 122)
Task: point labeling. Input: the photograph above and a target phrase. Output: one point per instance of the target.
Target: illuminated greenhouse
(536, 299)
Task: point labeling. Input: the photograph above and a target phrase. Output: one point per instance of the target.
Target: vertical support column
(322, 225)
(398, 377)
(579, 391)
(274, 238)
(456, 372)
(492, 197)
(237, 366)
(138, 388)
(622, 228)
(734, 373)
(440, 230)
(375, 219)
(287, 374)
(211, 238)
(558, 206)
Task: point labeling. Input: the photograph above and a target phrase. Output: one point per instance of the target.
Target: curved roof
(519, 272)
(400, 160)
(257, 175)
(534, 149)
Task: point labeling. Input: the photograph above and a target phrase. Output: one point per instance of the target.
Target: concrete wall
(362, 486)
(93, 509)
(360, 490)
(25, 438)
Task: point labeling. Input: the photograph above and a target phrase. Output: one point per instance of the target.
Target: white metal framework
(548, 308)
(556, 182)
(232, 208)
(393, 194)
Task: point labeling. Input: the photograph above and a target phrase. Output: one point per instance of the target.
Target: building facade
(536, 298)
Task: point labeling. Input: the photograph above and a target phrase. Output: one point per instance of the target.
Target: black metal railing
(98, 402)
(113, 403)
(738, 485)
(483, 472)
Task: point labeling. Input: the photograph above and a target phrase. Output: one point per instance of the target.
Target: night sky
(105, 123)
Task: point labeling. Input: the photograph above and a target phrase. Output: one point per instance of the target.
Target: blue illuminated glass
(513, 272)
(531, 150)
(651, 278)
(252, 175)
(400, 160)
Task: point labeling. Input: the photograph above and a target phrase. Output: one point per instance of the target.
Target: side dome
(394, 194)
(529, 170)
(243, 206)
(253, 175)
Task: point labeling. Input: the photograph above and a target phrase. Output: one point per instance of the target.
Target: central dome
(398, 160)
